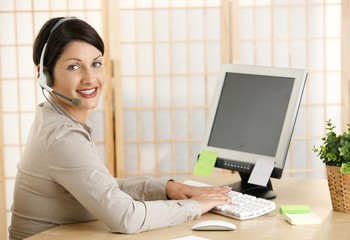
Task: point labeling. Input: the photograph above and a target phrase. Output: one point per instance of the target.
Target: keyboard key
(242, 207)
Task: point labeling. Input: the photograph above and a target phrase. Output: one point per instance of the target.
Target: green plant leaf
(345, 168)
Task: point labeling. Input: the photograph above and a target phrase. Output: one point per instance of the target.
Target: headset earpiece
(44, 76)
(47, 78)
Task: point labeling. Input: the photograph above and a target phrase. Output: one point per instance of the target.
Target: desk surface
(315, 193)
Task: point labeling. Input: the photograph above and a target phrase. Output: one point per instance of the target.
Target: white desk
(315, 193)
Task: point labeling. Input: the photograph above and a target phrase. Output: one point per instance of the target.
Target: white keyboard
(243, 206)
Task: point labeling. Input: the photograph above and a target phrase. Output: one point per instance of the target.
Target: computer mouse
(214, 225)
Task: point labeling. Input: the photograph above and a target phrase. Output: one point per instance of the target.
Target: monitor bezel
(244, 161)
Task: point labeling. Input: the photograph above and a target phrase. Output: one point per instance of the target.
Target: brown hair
(71, 30)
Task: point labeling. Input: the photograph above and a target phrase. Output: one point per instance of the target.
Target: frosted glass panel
(246, 53)
(93, 4)
(196, 19)
(180, 91)
(317, 127)
(41, 4)
(129, 92)
(263, 53)
(333, 85)
(334, 113)
(131, 157)
(316, 16)
(147, 164)
(299, 152)
(25, 28)
(147, 126)
(198, 91)
(144, 25)
(77, 4)
(145, 58)
(212, 28)
(263, 25)
(161, 3)
(25, 62)
(298, 22)
(8, 58)
(316, 83)
(281, 22)
(198, 125)
(58, 5)
(11, 134)
(127, 32)
(164, 128)
(163, 91)
(144, 3)
(316, 54)
(178, 25)
(181, 124)
(161, 25)
(146, 92)
(213, 56)
(128, 54)
(246, 23)
(130, 129)
(179, 58)
(333, 51)
(164, 155)
(333, 21)
(11, 159)
(7, 29)
(9, 95)
(162, 58)
(196, 58)
(281, 53)
(178, 3)
(182, 154)
(298, 59)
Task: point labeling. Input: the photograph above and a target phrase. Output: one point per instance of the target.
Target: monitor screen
(252, 116)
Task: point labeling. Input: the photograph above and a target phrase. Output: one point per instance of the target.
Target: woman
(61, 179)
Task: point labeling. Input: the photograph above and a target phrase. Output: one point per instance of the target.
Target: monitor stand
(247, 188)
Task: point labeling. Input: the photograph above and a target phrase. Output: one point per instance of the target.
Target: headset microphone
(44, 78)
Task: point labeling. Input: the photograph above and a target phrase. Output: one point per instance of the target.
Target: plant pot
(339, 187)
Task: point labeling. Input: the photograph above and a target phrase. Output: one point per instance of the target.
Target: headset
(44, 77)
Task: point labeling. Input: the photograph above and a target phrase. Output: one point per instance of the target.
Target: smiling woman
(61, 178)
(82, 64)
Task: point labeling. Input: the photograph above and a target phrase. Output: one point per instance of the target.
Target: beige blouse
(61, 179)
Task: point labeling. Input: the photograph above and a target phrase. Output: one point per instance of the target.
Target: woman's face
(79, 73)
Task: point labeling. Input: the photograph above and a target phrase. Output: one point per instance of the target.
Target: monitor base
(243, 186)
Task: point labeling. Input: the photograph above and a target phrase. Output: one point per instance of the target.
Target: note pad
(205, 164)
(295, 209)
(303, 219)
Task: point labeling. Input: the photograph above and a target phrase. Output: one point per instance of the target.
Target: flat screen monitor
(252, 116)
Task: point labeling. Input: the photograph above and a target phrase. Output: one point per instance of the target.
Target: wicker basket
(339, 187)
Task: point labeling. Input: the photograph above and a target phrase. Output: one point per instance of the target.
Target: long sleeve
(74, 163)
(144, 188)
(62, 180)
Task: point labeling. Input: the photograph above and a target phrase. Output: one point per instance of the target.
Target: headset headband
(41, 80)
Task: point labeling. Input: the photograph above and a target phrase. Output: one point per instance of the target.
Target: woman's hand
(207, 197)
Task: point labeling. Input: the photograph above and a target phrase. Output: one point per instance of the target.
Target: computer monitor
(252, 116)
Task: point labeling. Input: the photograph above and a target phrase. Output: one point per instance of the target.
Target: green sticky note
(205, 163)
(295, 209)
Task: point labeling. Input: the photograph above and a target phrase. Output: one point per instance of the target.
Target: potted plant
(335, 153)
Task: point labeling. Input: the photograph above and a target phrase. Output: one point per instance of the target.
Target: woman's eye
(73, 67)
(97, 64)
